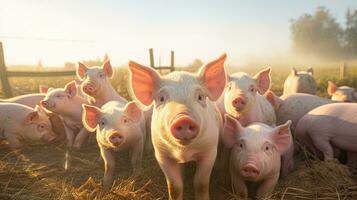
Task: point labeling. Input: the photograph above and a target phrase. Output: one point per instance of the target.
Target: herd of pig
(232, 123)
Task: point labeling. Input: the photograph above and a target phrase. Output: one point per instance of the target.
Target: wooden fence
(5, 74)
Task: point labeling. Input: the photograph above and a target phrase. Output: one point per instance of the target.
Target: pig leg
(239, 186)
(267, 186)
(14, 142)
(109, 166)
(80, 138)
(202, 175)
(287, 162)
(173, 173)
(324, 146)
(69, 136)
(136, 157)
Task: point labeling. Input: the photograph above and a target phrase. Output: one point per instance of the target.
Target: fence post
(151, 52)
(172, 61)
(343, 71)
(3, 75)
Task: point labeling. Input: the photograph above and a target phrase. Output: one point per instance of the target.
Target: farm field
(38, 171)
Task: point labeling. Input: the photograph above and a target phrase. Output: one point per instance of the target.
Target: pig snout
(250, 170)
(88, 88)
(116, 139)
(184, 127)
(48, 138)
(239, 102)
(44, 103)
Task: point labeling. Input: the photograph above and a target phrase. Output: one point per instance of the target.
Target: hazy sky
(72, 30)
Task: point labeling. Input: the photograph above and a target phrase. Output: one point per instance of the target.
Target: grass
(37, 173)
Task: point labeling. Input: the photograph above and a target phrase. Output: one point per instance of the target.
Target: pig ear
(107, 68)
(214, 77)
(81, 70)
(263, 80)
(143, 82)
(293, 72)
(31, 117)
(71, 89)
(89, 117)
(43, 89)
(274, 100)
(310, 71)
(331, 88)
(231, 130)
(282, 137)
(133, 111)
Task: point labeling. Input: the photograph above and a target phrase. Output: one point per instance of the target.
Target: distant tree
(318, 34)
(195, 65)
(106, 57)
(39, 64)
(351, 32)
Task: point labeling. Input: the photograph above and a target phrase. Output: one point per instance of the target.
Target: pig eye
(229, 86)
(41, 126)
(162, 99)
(101, 75)
(252, 89)
(201, 97)
(125, 120)
(267, 148)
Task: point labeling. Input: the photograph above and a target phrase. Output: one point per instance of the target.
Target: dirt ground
(38, 172)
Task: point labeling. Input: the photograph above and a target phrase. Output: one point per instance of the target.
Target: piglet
(243, 100)
(294, 106)
(68, 105)
(119, 127)
(20, 124)
(300, 82)
(185, 121)
(256, 154)
(95, 83)
(329, 126)
(30, 100)
(342, 93)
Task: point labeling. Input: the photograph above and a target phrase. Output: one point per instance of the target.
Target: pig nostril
(192, 128)
(179, 128)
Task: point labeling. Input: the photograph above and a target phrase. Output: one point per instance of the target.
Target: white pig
(185, 123)
(243, 100)
(256, 154)
(96, 84)
(342, 93)
(66, 103)
(20, 124)
(300, 82)
(119, 127)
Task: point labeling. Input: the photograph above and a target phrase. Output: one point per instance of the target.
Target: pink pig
(30, 100)
(118, 127)
(294, 106)
(67, 104)
(243, 100)
(96, 84)
(20, 124)
(328, 126)
(185, 121)
(300, 82)
(342, 93)
(256, 154)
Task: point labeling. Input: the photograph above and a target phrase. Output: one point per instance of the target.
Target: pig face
(300, 82)
(257, 148)
(58, 99)
(94, 78)
(240, 93)
(39, 126)
(180, 99)
(114, 125)
(343, 93)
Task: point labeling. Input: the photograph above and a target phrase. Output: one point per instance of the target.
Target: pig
(185, 122)
(300, 82)
(242, 98)
(30, 100)
(342, 93)
(328, 126)
(68, 105)
(256, 155)
(294, 106)
(119, 127)
(95, 84)
(20, 124)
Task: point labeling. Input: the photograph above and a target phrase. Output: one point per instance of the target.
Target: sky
(74, 30)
